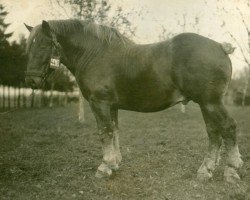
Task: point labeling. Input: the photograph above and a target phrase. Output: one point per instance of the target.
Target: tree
(244, 20)
(98, 11)
(8, 52)
(4, 44)
(12, 56)
(3, 26)
(16, 63)
(239, 89)
(185, 22)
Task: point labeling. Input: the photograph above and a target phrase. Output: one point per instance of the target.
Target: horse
(115, 73)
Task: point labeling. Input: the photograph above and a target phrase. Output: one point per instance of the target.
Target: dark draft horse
(115, 73)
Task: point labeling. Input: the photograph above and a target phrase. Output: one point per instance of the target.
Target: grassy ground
(47, 154)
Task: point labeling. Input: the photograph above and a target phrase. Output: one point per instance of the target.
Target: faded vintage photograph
(125, 99)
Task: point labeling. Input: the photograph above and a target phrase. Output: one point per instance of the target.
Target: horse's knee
(229, 131)
(231, 126)
(106, 133)
(214, 135)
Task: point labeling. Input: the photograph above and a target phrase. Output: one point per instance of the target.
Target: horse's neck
(76, 57)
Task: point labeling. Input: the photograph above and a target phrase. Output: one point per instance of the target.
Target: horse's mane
(83, 28)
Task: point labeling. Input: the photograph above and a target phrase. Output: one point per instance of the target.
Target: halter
(54, 61)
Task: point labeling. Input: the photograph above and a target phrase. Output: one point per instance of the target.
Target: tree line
(12, 57)
(13, 61)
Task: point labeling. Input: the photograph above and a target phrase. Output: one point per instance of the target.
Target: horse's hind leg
(234, 161)
(220, 125)
(101, 110)
(213, 156)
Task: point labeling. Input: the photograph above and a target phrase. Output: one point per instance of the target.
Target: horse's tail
(227, 48)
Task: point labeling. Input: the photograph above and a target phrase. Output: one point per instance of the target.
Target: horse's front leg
(106, 129)
(114, 116)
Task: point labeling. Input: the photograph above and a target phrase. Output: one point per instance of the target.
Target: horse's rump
(200, 67)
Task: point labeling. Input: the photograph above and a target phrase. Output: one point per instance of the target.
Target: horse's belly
(154, 103)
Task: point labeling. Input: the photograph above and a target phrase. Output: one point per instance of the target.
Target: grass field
(46, 154)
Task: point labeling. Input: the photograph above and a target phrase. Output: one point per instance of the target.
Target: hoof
(203, 175)
(239, 163)
(118, 158)
(234, 158)
(236, 162)
(103, 171)
(231, 175)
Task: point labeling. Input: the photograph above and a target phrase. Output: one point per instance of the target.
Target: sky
(155, 15)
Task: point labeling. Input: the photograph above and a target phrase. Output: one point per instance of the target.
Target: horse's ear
(46, 28)
(28, 27)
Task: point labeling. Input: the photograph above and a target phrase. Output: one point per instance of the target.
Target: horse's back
(149, 78)
(200, 67)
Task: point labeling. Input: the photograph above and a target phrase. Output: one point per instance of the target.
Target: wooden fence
(20, 97)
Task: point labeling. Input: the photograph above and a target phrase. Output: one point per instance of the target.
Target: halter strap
(34, 73)
(54, 62)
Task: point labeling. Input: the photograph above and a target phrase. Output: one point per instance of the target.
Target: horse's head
(43, 52)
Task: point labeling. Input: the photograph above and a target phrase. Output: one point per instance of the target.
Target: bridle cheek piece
(53, 64)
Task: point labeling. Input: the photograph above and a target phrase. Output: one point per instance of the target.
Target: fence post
(32, 98)
(183, 108)
(8, 96)
(19, 96)
(38, 99)
(24, 97)
(0, 96)
(57, 98)
(3, 97)
(60, 98)
(81, 115)
(65, 99)
(42, 98)
(14, 97)
(51, 95)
